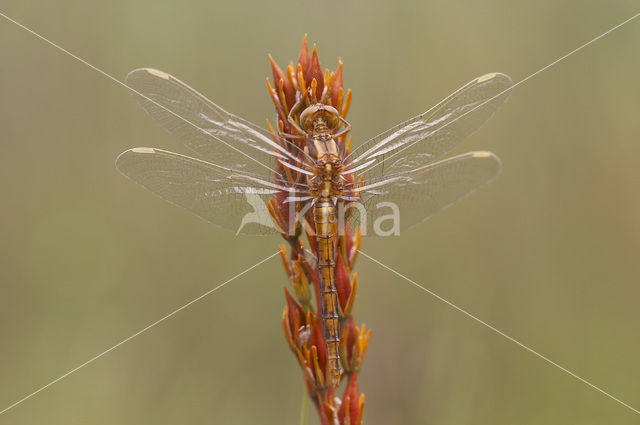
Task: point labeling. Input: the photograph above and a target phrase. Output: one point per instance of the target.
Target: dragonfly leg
(293, 121)
(346, 129)
(293, 136)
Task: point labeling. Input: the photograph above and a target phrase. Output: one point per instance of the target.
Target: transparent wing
(409, 198)
(215, 134)
(425, 138)
(216, 194)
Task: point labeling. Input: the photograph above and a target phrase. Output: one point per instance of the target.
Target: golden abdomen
(325, 218)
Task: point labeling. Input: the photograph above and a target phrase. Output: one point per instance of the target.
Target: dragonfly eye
(307, 116)
(332, 117)
(327, 113)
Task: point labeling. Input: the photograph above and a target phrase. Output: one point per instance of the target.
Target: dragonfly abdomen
(325, 219)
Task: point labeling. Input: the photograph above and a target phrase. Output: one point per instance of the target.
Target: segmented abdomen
(325, 218)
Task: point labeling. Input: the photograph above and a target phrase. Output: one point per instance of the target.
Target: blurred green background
(548, 253)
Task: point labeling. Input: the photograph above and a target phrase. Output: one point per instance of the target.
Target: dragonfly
(241, 166)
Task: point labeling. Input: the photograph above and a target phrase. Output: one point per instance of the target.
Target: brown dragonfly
(397, 171)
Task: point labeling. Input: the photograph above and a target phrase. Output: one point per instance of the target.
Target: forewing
(215, 134)
(414, 196)
(216, 194)
(425, 138)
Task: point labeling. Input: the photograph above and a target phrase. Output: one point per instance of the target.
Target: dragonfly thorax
(326, 181)
(319, 122)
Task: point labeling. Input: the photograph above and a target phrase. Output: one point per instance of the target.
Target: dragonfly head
(319, 114)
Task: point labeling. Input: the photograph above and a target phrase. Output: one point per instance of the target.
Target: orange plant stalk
(306, 83)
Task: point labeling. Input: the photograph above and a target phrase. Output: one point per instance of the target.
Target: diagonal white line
(388, 268)
(560, 59)
(482, 322)
(174, 312)
(114, 79)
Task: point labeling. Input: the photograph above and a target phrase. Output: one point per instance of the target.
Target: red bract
(336, 89)
(279, 79)
(302, 319)
(314, 72)
(343, 284)
(352, 406)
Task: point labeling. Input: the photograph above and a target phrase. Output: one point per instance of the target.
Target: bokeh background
(548, 253)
